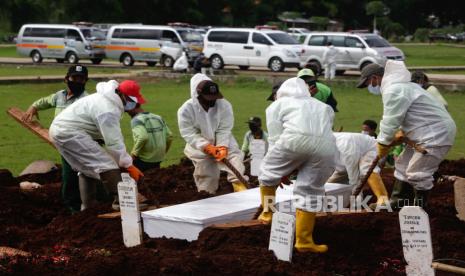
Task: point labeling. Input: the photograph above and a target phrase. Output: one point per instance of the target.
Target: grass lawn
(41, 70)
(8, 51)
(19, 146)
(432, 55)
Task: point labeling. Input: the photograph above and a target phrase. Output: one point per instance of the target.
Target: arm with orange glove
(135, 173)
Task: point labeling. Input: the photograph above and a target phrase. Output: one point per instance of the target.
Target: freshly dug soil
(82, 244)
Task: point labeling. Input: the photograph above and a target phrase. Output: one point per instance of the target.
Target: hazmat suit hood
(107, 89)
(395, 72)
(293, 88)
(195, 80)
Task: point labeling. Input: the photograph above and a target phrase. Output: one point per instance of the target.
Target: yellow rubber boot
(268, 196)
(377, 186)
(305, 222)
(238, 186)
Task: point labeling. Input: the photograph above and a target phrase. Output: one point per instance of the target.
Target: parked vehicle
(356, 50)
(62, 42)
(152, 44)
(246, 47)
(299, 33)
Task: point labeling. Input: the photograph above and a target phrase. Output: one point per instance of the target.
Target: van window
(229, 37)
(170, 36)
(283, 38)
(44, 32)
(136, 33)
(93, 33)
(353, 42)
(217, 36)
(317, 40)
(190, 36)
(337, 40)
(260, 39)
(73, 34)
(376, 41)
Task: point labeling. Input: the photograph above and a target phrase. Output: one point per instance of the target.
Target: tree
(376, 9)
(320, 22)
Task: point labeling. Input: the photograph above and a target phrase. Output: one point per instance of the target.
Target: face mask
(130, 105)
(365, 132)
(76, 88)
(375, 90)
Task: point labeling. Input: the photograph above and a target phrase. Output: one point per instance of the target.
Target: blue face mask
(129, 105)
(375, 90)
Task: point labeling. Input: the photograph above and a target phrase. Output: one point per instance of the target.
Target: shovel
(236, 172)
(360, 186)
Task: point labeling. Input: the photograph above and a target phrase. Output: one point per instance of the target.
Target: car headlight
(289, 54)
(88, 47)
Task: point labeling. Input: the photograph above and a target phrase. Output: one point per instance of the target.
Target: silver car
(355, 50)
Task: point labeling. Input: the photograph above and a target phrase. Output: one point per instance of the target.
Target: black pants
(144, 166)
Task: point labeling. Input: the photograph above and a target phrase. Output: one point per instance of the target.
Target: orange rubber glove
(383, 150)
(221, 153)
(210, 149)
(398, 138)
(135, 173)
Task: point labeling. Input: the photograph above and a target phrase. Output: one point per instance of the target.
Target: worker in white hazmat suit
(356, 152)
(425, 121)
(300, 138)
(75, 130)
(205, 122)
(329, 61)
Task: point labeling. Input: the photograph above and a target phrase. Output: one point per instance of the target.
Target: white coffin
(187, 220)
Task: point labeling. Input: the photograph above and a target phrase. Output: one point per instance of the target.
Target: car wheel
(127, 60)
(364, 65)
(96, 60)
(276, 64)
(216, 62)
(168, 61)
(72, 58)
(244, 67)
(151, 63)
(315, 66)
(36, 57)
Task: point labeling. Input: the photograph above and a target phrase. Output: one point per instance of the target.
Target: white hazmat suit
(423, 119)
(94, 117)
(355, 155)
(301, 138)
(329, 61)
(200, 128)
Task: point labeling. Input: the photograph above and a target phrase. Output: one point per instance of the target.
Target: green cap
(305, 72)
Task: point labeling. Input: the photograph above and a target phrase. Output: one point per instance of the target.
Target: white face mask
(375, 90)
(365, 132)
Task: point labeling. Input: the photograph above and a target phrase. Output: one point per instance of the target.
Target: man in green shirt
(152, 138)
(318, 90)
(75, 81)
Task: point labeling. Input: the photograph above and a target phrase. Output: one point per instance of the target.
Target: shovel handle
(236, 172)
(360, 186)
(414, 145)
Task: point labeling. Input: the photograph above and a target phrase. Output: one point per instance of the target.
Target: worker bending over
(423, 120)
(300, 138)
(205, 122)
(94, 117)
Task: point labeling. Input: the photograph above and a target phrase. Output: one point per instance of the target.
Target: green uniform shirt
(152, 137)
(248, 138)
(58, 100)
(323, 92)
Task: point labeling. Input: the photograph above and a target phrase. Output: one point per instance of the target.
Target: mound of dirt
(82, 244)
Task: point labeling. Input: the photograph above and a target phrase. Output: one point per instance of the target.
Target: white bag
(181, 63)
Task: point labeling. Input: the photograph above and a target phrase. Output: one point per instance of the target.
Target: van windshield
(282, 38)
(190, 36)
(376, 41)
(93, 34)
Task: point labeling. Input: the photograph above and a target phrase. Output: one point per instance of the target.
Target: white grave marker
(282, 236)
(459, 194)
(130, 215)
(416, 241)
(257, 149)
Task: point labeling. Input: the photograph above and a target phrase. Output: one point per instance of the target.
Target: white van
(61, 42)
(250, 47)
(356, 50)
(152, 44)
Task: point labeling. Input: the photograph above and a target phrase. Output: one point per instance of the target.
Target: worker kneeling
(75, 131)
(205, 122)
(355, 155)
(300, 138)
